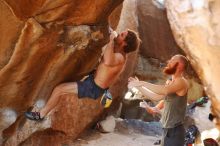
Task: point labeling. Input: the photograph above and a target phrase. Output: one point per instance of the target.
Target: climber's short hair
(132, 39)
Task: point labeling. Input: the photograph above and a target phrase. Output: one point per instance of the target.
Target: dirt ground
(117, 139)
(126, 133)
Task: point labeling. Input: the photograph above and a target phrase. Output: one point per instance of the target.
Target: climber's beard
(170, 70)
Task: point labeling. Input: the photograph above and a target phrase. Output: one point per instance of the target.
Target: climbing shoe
(35, 116)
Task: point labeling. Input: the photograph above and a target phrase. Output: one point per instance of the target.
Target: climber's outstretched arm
(148, 94)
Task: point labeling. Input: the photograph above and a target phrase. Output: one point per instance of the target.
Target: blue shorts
(88, 88)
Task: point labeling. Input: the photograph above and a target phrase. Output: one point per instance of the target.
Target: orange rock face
(42, 44)
(66, 121)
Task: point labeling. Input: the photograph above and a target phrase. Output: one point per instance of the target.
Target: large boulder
(196, 28)
(154, 28)
(44, 43)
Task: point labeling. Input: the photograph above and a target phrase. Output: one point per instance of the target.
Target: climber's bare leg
(62, 89)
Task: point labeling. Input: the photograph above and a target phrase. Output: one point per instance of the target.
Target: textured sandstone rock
(67, 120)
(9, 35)
(196, 28)
(115, 17)
(72, 11)
(158, 41)
(44, 43)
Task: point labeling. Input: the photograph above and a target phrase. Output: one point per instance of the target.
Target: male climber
(96, 84)
(174, 100)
